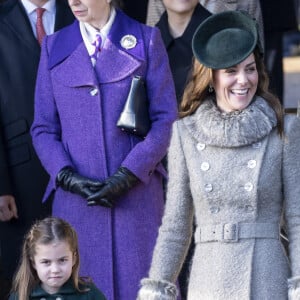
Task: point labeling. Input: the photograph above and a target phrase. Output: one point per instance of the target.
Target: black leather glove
(114, 186)
(70, 181)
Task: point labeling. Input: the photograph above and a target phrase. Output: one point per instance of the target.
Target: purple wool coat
(76, 111)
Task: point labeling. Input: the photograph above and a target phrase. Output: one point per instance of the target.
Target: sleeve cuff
(294, 288)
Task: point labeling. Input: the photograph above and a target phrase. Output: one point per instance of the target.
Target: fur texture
(294, 288)
(157, 290)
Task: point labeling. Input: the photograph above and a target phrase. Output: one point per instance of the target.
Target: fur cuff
(157, 290)
(294, 288)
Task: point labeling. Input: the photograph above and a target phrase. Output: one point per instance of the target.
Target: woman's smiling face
(236, 86)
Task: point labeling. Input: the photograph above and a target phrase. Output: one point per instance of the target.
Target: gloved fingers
(94, 185)
(102, 202)
(97, 194)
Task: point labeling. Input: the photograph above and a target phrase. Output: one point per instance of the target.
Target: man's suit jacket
(21, 173)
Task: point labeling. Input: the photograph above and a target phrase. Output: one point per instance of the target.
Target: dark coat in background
(136, 9)
(180, 49)
(278, 18)
(21, 173)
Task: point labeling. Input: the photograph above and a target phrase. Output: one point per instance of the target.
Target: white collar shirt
(89, 33)
(48, 16)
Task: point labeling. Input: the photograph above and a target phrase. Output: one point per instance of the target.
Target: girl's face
(53, 263)
(180, 6)
(93, 12)
(236, 86)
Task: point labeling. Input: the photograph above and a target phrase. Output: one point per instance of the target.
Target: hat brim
(225, 39)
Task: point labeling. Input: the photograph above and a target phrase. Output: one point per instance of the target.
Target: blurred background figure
(278, 18)
(177, 26)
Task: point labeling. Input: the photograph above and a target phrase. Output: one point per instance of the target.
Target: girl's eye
(62, 260)
(46, 262)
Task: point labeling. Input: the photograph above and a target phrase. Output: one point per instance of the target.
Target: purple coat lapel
(117, 61)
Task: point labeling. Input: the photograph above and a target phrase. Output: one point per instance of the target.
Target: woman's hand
(113, 187)
(8, 208)
(70, 181)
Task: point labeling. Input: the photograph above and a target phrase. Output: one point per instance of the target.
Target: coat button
(251, 164)
(200, 146)
(256, 145)
(249, 208)
(94, 91)
(248, 186)
(208, 187)
(214, 209)
(205, 166)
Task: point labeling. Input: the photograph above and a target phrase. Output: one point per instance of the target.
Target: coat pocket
(15, 129)
(18, 154)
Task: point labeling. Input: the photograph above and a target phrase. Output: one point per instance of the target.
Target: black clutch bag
(135, 115)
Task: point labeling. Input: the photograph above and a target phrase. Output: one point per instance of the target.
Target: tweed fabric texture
(230, 168)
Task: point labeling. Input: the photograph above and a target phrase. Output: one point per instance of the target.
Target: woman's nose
(242, 77)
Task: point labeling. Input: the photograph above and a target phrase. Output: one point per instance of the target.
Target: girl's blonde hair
(43, 232)
(197, 89)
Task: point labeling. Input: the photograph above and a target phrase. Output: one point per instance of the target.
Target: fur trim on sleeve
(157, 290)
(294, 288)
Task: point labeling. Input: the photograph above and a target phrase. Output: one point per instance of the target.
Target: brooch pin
(128, 41)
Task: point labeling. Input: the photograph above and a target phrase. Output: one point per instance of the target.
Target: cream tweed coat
(228, 170)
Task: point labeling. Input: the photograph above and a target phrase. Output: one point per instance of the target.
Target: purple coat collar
(68, 39)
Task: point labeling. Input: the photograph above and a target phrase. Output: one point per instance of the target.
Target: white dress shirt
(48, 16)
(89, 33)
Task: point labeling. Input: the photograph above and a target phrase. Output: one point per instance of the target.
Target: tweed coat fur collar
(234, 129)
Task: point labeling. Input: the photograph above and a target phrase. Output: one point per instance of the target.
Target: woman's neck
(178, 22)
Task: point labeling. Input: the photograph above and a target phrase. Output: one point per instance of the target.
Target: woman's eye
(230, 70)
(250, 70)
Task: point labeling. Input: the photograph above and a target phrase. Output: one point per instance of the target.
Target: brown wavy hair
(201, 76)
(44, 232)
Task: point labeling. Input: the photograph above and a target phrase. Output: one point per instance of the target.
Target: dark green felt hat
(225, 39)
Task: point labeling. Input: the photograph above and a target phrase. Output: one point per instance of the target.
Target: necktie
(97, 44)
(40, 30)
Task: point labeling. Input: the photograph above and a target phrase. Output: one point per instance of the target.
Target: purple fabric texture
(76, 111)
